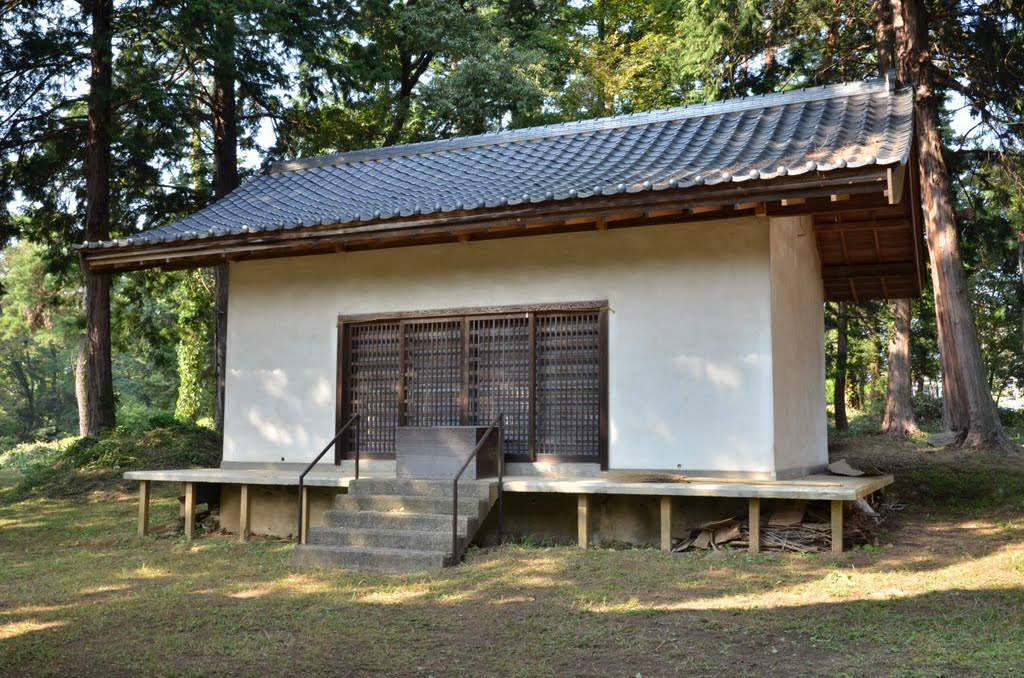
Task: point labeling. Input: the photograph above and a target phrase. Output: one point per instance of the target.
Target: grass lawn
(943, 595)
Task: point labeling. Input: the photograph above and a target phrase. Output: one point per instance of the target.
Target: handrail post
(498, 424)
(455, 520)
(302, 476)
(501, 477)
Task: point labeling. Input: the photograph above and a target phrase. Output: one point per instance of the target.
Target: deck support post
(246, 512)
(190, 510)
(143, 508)
(837, 526)
(666, 523)
(754, 524)
(582, 509)
(305, 514)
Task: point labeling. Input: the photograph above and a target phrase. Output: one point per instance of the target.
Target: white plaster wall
(798, 344)
(689, 334)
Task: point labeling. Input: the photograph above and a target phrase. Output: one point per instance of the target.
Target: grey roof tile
(792, 133)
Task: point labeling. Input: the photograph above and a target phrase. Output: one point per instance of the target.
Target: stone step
(408, 504)
(399, 520)
(477, 489)
(409, 540)
(362, 558)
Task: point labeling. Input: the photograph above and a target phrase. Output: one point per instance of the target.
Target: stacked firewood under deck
(840, 493)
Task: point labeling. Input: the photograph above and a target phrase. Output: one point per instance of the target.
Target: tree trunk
(1020, 268)
(972, 413)
(225, 180)
(839, 396)
(884, 37)
(81, 396)
(899, 422)
(99, 379)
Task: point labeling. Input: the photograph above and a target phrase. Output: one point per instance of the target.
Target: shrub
(76, 465)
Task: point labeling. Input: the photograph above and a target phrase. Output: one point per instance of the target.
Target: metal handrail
(499, 424)
(302, 476)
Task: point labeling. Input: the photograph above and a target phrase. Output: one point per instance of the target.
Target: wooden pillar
(754, 524)
(143, 508)
(582, 506)
(190, 510)
(243, 519)
(666, 523)
(837, 526)
(305, 514)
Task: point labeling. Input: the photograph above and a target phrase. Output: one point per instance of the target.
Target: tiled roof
(811, 130)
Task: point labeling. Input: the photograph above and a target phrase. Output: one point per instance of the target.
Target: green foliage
(76, 465)
(927, 409)
(195, 370)
(38, 323)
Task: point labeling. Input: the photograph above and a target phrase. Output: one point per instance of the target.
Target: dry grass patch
(943, 595)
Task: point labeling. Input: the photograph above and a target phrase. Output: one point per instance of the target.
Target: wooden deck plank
(810, 488)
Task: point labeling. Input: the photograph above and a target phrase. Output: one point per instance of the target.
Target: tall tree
(899, 421)
(968, 401)
(99, 376)
(225, 179)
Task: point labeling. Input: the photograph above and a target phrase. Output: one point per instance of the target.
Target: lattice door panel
(544, 370)
(372, 383)
(499, 378)
(433, 373)
(568, 387)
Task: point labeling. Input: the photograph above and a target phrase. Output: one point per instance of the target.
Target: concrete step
(399, 520)
(408, 540)
(408, 504)
(477, 489)
(362, 558)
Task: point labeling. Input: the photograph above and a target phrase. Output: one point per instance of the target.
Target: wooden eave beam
(764, 197)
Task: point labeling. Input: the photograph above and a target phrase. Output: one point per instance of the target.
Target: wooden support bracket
(143, 508)
(666, 523)
(582, 524)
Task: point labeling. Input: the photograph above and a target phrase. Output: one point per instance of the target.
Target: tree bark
(884, 37)
(899, 422)
(225, 180)
(99, 379)
(839, 395)
(1020, 269)
(971, 411)
(81, 396)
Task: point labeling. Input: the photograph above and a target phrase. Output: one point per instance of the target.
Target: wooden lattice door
(545, 370)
